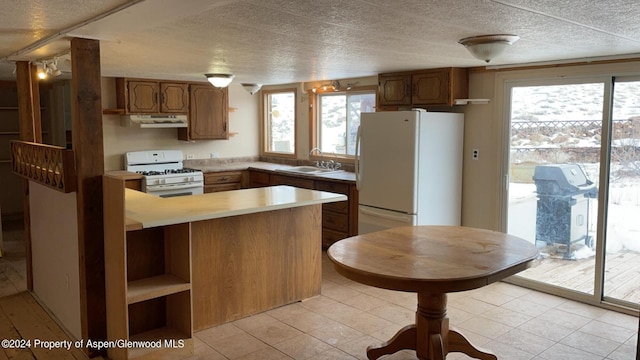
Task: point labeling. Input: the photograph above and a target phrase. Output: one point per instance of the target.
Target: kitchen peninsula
(181, 264)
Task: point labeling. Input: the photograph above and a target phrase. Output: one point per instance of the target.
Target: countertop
(145, 211)
(261, 165)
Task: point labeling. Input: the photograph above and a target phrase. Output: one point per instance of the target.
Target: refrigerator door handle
(384, 216)
(357, 160)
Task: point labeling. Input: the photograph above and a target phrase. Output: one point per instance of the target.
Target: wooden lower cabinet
(339, 219)
(223, 181)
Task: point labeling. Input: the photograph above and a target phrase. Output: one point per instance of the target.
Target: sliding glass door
(574, 185)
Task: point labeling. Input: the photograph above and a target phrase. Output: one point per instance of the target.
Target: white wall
(244, 121)
(54, 251)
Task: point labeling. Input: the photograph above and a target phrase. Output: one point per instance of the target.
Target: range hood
(155, 121)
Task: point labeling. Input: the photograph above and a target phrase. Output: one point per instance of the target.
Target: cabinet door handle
(155, 98)
(407, 90)
(162, 98)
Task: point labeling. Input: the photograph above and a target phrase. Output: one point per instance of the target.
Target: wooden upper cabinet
(139, 96)
(433, 87)
(143, 96)
(208, 113)
(174, 98)
(394, 89)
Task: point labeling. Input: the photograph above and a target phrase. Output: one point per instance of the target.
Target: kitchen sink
(310, 170)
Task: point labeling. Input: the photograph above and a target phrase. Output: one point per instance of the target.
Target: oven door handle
(153, 188)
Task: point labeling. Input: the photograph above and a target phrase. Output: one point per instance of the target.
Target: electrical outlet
(214, 155)
(475, 154)
(190, 156)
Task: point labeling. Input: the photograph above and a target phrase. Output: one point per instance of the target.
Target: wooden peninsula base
(243, 265)
(175, 265)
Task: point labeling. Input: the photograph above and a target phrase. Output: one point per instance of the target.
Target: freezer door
(372, 219)
(388, 160)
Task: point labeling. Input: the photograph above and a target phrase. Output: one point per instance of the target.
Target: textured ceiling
(285, 41)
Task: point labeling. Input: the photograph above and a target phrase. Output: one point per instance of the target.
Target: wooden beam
(30, 130)
(86, 117)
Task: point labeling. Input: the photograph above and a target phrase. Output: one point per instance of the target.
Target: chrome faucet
(321, 162)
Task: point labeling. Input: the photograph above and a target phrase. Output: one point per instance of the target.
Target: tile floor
(514, 322)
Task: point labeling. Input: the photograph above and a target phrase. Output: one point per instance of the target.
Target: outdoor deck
(622, 274)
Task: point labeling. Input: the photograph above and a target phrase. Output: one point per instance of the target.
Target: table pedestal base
(430, 337)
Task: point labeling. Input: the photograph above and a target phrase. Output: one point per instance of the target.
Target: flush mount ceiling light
(251, 88)
(220, 80)
(487, 47)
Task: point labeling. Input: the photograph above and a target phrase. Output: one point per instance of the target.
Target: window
(279, 114)
(338, 118)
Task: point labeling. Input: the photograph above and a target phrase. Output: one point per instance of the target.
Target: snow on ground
(623, 230)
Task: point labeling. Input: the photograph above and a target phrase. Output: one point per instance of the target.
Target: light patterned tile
(509, 289)
(254, 322)
(308, 321)
(626, 351)
(275, 333)
(334, 354)
(530, 343)
(265, 354)
(619, 319)
(340, 293)
(218, 332)
(545, 329)
(491, 297)
(303, 347)
(336, 334)
(504, 351)
(358, 347)
(526, 307)
(485, 327)
(564, 352)
(581, 309)
(283, 312)
(237, 345)
(507, 317)
(395, 313)
(471, 305)
(365, 302)
(545, 299)
(590, 343)
(608, 331)
(366, 323)
(563, 318)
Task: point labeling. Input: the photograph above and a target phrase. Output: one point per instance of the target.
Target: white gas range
(164, 174)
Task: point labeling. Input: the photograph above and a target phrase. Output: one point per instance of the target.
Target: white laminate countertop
(145, 211)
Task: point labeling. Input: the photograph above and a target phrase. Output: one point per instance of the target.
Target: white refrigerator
(409, 169)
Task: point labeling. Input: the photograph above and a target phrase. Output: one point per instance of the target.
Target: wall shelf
(153, 287)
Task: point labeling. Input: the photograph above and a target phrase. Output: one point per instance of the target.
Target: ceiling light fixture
(220, 80)
(335, 84)
(47, 67)
(487, 47)
(251, 87)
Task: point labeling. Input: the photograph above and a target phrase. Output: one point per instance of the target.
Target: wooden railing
(52, 166)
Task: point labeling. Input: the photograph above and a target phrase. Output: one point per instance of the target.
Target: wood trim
(263, 131)
(26, 106)
(86, 119)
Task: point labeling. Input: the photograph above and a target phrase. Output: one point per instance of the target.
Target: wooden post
(30, 130)
(86, 116)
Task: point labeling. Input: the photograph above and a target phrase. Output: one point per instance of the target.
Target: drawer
(222, 187)
(335, 221)
(222, 177)
(331, 236)
(339, 207)
(334, 187)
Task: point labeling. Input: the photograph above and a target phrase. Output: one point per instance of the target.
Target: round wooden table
(431, 261)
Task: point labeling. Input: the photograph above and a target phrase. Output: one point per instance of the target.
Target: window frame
(314, 118)
(264, 124)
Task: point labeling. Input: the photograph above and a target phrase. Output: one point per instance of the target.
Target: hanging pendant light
(251, 88)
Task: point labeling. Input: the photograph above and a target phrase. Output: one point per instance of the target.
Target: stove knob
(162, 181)
(191, 178)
